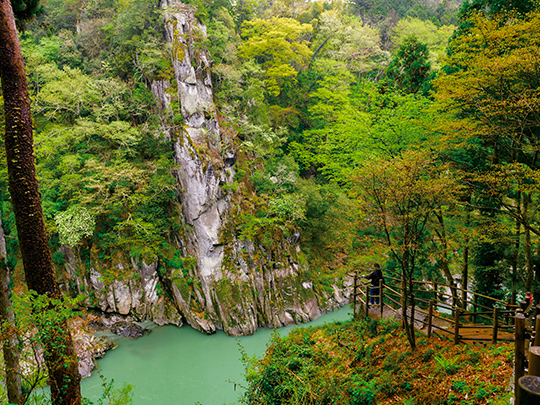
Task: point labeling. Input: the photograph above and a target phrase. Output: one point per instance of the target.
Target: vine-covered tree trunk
(26, 200)
(9, 342)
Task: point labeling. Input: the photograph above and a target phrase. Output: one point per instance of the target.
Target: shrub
(363, 393)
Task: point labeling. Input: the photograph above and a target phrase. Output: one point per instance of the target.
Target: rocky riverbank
(94, 335)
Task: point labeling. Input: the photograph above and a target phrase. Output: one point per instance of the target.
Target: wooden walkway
(469, 332)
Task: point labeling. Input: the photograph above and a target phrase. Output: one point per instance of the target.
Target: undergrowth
(366, 362)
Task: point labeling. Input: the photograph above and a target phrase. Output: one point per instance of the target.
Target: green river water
(182, 366)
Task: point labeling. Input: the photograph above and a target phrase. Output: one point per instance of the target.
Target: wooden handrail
(394, 291)
(457, 288)
(492, 318)
(394, 301)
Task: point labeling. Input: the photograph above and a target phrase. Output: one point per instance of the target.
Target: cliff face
(224, 283)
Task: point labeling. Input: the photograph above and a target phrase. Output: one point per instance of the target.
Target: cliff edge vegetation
(368, 361)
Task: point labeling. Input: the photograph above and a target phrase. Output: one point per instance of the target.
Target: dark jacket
(375, 276)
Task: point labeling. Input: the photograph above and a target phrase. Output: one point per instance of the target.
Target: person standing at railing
(375, 277)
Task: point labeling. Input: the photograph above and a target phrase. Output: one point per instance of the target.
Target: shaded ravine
(182, 366)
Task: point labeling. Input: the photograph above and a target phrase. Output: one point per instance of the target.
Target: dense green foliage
(102, 161)
(317, 93)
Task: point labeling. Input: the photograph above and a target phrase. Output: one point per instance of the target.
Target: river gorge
(175, 365)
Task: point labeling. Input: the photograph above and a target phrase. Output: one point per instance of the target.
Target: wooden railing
(518, 321)
(497, 315)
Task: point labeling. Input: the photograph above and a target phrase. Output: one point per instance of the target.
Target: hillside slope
(365, 362)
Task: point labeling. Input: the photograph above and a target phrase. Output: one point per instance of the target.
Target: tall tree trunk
(59, 353)
(517, 243)
(10, 342)
(411, 333)
(408, 294)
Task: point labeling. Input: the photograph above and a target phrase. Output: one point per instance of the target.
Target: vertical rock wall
(254, 287)
(234, 285)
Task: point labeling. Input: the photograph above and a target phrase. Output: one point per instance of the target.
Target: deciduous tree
(399, 196)
(492, 82)
(280, 45)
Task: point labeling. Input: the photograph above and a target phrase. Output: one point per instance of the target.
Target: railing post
(495, 324)
(456, 326)
(529, 390)
(367, 299)
(435, 291)
(381, 297)
(355, 292)
(537, 328)
(430, 318)
(519, 350)
(475, 306)
(534, 361)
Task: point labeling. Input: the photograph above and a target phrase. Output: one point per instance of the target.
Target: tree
(398, 197)
(492, 7)
(345, 39)
(25, 10)
(333, 145)
(435, 38)
(410, 69)
(491, 82)
(280, 45)
(36, 256)
(9, 341)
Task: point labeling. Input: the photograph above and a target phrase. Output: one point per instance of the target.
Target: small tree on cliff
(26, 200)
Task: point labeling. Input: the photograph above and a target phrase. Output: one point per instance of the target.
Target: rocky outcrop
(224, 283)
(240, 286)
(88, 346)
(138, 294)
(128, 330)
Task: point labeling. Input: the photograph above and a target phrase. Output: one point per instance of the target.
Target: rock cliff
(224, 282)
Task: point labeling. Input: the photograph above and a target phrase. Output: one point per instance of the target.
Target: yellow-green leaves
(280, 45)
(74, 224)
(495, 74)
(436, 38)
(347, 40)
